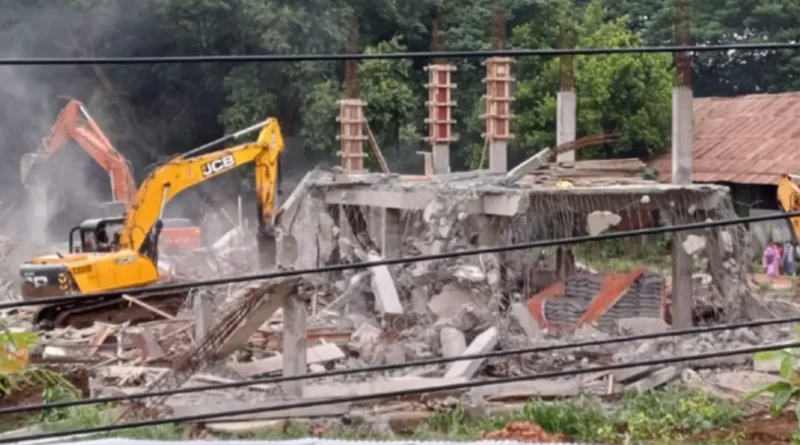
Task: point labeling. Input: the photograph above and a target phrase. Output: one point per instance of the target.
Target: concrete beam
(386, 297)
(482, 344)
(395, 199)
(274, 292)
(501, 201)
(322, 353)
(493, 203)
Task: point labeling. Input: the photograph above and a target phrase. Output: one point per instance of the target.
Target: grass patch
(657, 417)
(78, 417)
(87, 416)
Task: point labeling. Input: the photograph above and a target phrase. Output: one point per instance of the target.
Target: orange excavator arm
(75, 123)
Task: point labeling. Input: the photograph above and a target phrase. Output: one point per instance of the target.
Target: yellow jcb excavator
(789, 200)
(104, 260)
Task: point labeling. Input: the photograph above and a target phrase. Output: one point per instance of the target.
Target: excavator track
(114, 310)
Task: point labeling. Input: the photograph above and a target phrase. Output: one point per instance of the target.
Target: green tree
(745, 21)
(625, 94)
(393, 102)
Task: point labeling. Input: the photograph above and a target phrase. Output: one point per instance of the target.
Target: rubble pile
(391, 315)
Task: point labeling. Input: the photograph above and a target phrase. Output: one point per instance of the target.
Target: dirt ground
(782, 282)
(756, 430)
(524, 432)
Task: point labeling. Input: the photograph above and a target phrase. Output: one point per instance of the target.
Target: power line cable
(249, 58)
(401, 393)
(396, 261)
(393, 367)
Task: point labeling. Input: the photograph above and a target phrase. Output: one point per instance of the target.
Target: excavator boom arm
(181, 173)
(96, 144)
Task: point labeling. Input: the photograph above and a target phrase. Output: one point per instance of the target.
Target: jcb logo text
(37, 281)
(217, 165)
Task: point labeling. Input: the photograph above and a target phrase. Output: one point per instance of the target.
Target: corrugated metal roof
(750, 139)
(307, 441)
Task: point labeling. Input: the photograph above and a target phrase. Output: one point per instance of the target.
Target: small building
(746, 143)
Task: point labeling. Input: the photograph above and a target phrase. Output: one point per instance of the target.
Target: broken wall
(353, 219)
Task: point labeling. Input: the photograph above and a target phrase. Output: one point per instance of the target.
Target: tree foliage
(152, 111)
(621, 93)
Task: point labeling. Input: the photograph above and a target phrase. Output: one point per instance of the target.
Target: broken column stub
(453, 342)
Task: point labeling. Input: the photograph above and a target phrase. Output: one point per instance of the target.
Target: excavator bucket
(27, 162)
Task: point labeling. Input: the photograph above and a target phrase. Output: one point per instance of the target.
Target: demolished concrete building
(335, 217)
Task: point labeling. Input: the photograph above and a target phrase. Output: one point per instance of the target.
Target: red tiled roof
(749, 139)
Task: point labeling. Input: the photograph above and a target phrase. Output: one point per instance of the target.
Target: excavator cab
(96, 235)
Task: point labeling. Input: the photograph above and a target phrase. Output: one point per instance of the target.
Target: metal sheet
(751, 139)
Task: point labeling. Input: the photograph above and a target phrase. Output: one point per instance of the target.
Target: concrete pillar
(295, 332)
(386, 231)
(351, 134)
(498, 111)
(565, 123)
(441, 159)
(392, 239)
(682, 139)
(498, 156)
(203, 314)
(440, 114)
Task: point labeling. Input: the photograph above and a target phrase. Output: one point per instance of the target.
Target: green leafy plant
(787, 387)
(16, 372)
(673, 414)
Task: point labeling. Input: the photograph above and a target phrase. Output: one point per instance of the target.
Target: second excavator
(128, 258)
(74, 122)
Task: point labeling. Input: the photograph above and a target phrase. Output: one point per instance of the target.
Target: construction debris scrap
(444, 308)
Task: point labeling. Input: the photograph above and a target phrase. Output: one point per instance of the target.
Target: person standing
(788, 259)
(771, 260)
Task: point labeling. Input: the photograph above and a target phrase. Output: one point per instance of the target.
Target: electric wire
(311, 57)
(402, 393)
(395, 261)
(396, 366)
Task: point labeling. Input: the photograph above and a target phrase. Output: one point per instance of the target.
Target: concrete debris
(318, 354)
(642, 325)
(383, 287)
(655, 380)
(599, 221)
(453, 342)
(694, 244)
(482, 344)
(447, 302)
(522, 315)
(448, 307)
